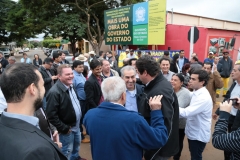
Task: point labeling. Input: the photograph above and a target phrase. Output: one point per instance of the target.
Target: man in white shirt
(3, 103)
(198, 114)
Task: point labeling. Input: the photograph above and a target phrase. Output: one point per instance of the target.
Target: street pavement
(31, 54)
(210, 153)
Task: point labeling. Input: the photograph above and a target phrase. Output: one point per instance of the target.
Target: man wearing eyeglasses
(48, 77)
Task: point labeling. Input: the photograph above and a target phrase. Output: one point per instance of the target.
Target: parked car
(20, 51)
(6, 51)
(26, 50)
(68, 56)
(45, 50)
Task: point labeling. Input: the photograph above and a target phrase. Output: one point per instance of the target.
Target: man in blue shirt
(133, 91)
(182, 60)
(210, 58)
(78, 84)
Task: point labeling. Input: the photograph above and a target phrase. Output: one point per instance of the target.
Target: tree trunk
(95, 47)
(73, 48)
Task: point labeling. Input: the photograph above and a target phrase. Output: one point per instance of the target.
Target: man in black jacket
(92, 86)
(3, 61)
(20, 136)
(149, 73)
(48, 77)
(64, 112)
(225, 68)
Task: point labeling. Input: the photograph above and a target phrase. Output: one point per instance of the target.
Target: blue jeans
(196, 148)
(71, 144)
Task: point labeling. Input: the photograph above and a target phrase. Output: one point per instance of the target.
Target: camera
(234, 101)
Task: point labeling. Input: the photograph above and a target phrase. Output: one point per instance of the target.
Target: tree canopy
(70, 19)
(5, 7)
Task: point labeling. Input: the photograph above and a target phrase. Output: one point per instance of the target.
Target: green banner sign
(118, 25)
(138, 24)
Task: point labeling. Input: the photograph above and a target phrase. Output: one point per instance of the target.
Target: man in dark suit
(20, 136)
(3, 61)
(48, 77)
(92, 86)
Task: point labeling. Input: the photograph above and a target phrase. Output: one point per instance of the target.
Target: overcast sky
(219, 9)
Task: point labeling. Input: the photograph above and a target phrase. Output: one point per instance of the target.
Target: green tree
(50, 43)
(88, 12)
(59, 20)
(93, 16)
(21, 24)
(5, 8)
(68, 26)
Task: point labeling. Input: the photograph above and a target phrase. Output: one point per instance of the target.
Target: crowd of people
(135, 108)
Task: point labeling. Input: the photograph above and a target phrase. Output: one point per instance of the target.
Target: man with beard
(215, 81)
(19, 129)
(64, 112)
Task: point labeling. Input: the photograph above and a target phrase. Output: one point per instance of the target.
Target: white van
(6, 51)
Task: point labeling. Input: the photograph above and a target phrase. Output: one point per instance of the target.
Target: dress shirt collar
(199, 91)
(76, 73)
(29, 119)
(167, 72)
(71, 86)
(237, 83)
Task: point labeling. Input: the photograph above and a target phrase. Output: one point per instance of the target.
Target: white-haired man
(11, 60)
(117, 133)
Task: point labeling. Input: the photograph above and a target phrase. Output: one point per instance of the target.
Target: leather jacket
(60, 111)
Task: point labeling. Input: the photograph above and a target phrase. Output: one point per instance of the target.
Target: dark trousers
(196, 148)
(181, 139)
(83, 109)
